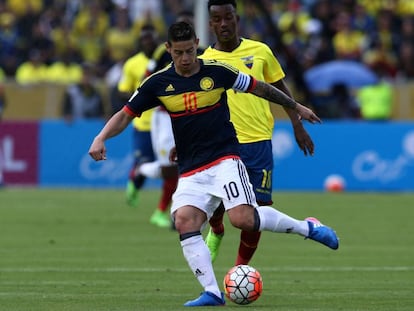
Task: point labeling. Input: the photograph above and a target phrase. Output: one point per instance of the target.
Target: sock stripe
(188, 235)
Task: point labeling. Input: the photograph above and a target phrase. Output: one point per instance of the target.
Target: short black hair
(147, 29)
(221, 2)
(181, 31)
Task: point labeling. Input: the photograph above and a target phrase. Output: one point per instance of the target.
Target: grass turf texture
(87, 250)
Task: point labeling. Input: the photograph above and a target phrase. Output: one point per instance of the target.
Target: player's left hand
(303, 139)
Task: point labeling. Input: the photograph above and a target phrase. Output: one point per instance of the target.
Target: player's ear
(168, 47)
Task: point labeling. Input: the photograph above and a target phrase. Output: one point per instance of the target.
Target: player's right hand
(173, 155)
(97, 150)
(307, 114)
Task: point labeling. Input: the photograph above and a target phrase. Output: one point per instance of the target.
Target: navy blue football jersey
(198, 109)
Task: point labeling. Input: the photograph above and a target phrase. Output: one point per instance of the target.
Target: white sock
(275, 221)
(151, 169)
(198, 258)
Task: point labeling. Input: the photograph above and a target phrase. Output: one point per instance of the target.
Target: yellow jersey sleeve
(133, 73)
(250, 115)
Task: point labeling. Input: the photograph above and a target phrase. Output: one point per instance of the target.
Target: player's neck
(188, 72)
(228, 46)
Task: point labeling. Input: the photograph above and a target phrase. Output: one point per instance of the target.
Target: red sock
(247, 247)
(131, 174)
(168, 188)
(216, 221)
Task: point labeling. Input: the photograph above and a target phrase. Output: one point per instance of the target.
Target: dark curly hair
(180, 31)
(221, 2)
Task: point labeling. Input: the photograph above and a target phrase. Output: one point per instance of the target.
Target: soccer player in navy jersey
(193, 91)
(162, 138)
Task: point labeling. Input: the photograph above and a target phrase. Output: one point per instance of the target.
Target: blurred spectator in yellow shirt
(64, 70)
(88, 30)
(347, 42)
(32, 71)
(22, 7)
(120, 40)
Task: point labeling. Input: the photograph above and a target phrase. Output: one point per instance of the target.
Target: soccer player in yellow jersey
(133, 73)
(250, 115)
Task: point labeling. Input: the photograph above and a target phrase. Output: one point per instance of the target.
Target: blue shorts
(258, 159)
(142, 147)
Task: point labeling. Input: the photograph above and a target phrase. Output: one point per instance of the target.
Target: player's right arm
(116, 124)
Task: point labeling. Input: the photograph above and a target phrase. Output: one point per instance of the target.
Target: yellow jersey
(250, 115)
(62, 73)
(27, 73)
(133, 73)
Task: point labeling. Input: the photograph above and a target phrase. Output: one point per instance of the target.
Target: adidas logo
(198, 272)
(169, 88)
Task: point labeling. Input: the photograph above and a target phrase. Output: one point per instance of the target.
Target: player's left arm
(276, 96)
(246, 83)
(302, 137)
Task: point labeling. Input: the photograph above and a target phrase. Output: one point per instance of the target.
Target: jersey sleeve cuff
(130, 112)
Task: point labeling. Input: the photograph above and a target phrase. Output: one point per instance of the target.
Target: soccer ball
(243, 284)
(334, 183)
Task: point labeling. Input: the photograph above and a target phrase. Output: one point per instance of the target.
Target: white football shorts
(227, 181)
(162, 136)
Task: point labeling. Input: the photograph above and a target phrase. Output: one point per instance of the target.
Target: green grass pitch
(87, 250)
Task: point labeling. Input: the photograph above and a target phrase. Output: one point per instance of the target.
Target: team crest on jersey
(248, 61)
(207, 84)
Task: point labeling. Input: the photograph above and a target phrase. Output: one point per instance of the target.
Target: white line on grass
(149, 270)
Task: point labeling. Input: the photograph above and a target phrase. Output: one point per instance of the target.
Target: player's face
(223, 21)
(148, 43)
(184, 55)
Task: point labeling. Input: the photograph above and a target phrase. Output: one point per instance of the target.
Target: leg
(216, 232)
(258, 159)
(266, 218)
(245, 214)
(161, 216)
(249, 241)
(142, 153)
(170, 180)
(162, 141)
(188, 223)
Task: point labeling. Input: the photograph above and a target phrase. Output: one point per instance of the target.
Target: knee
(181, 223)
(188, 220)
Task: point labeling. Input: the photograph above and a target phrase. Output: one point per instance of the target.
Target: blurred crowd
(52, 40)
